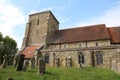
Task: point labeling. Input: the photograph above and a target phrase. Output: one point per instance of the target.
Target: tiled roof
(88, 33)
(114, 34)
(29, 51)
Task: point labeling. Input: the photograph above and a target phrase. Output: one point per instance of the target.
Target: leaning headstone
(41, 66)
(20, 62)
(4, 61)
(114, 65)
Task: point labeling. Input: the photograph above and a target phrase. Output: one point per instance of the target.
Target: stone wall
(80, 44)
(108, 56)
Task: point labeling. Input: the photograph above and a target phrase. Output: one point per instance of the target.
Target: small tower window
(38, 22)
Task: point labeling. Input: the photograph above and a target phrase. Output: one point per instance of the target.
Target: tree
(1, 37)
(1, 46)
(9, 49)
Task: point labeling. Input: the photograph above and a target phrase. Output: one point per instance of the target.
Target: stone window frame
(65, 46)
(81, 58)
(96, 43)
(99, 57)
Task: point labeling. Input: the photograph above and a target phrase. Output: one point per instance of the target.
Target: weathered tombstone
(118, 67)
(41, 66)
(114, 65)
(15, 60)
(57, 62)
(25, 65)
(4, 61)
(20, 62)
(33, 62)
(69, 62)
(53, 59)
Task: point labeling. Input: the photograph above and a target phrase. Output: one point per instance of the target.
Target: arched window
(99, 57)
(46, 58)
(81, 57)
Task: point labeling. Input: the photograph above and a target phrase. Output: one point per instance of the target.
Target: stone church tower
(39, 29)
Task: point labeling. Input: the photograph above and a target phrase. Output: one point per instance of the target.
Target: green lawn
(88, 73)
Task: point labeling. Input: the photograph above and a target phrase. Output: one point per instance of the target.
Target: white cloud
(66, 6)
(10, 17)
(44, 9)
(111, 17)
(63, 19)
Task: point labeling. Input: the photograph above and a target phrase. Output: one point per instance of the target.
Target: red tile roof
(88, 33)
(114, 34)
(29, 51)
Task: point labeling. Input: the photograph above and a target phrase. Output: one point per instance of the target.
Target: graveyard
(86, 73)
(23, 71)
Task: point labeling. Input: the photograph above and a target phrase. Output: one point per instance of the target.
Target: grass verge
(87, 73)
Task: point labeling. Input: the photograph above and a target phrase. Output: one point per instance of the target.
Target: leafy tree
(1, 41)
(10, 46)
(8, 49)
(1, 37)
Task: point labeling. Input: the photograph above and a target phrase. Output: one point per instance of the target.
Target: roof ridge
(83, 27)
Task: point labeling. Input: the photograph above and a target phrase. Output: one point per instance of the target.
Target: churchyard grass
(87, 73)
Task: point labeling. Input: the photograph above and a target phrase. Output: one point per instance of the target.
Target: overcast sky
(70, 13)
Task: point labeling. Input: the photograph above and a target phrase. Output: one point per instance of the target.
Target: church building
(93, 45)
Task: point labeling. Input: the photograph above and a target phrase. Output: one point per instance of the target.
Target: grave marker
(41, 66)
(20, 62)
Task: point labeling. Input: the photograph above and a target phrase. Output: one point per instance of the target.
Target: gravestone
(20, 62)
(114, 65)
(4, 61)
(33, 62)
(15, 60)
(25, 65)
(69, 62)
(118, 67)
(41, 66)
(57, 62)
